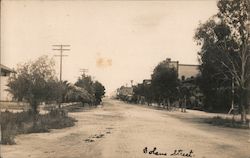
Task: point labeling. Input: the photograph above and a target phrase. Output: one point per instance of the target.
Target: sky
(117, 41)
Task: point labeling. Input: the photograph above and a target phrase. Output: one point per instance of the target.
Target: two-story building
(184, 70)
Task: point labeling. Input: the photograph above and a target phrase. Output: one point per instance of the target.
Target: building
(5, 73)
(171, 64)
(187, 71)
(184, 70)
(125, 91)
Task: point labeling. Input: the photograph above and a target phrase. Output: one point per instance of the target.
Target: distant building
(171, 64)
(125, 91)
(184, 70)
(187, 70)
(4, 76)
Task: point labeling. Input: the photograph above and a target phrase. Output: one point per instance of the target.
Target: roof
(5, 68)
(189, 65)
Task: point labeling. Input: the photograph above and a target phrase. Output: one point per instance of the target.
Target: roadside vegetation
(223, 84)
(224, 57)
(25, 122)
(35, 83)
(227, 122)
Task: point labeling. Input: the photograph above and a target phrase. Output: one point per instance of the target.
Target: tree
(65, 88)
(86, 82)
(99, 91)
(213, 73)
(78, 94)
(34, 82)
(189, 93)
(142, 92)
(125, 93)
(95, 89)
(138, 93)
(164, 82)
(225, 52)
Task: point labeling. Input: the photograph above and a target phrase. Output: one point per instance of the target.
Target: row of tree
(35, 82)
(224, 58)
(164, 88)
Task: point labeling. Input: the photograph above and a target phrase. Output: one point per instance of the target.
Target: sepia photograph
(125, 79)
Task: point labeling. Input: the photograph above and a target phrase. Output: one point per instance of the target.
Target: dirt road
(120, 130)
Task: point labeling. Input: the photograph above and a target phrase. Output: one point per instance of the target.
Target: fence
(24, 106)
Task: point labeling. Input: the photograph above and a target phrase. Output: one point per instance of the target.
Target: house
(5, 73)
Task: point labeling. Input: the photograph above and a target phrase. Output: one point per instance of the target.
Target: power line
(61, 48)
(131, 81)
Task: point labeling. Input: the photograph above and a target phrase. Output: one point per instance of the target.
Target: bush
(227, 122)
(13, 124)
(8, 134)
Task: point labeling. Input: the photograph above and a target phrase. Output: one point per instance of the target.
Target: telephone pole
(84, 71)
(61, 48)
(131, 81)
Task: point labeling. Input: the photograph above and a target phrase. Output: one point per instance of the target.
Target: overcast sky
(116, 41)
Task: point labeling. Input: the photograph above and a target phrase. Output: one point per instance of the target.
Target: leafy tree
(125, 93)
(34, 82)
(213, 73)
(164, 82)
(225, 51)
(143, 91)
(137, 93)
(86, 82)
(99, 91)
(65, 88)
(78, 94)
(189, 93)
(95, 89)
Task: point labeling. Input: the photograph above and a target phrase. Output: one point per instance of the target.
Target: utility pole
(84, 71)
(61, 48)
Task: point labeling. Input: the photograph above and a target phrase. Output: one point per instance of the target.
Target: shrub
(28, 122)
(227, 122)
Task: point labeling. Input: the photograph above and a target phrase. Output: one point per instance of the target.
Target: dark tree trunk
(184, 104)
(34, 106)
(243, 103)
(243, 114)
(35, 112)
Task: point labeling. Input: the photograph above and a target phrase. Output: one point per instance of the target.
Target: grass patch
(227, 122)
(13, 124)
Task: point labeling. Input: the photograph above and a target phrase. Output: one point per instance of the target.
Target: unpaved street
(120, 130)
